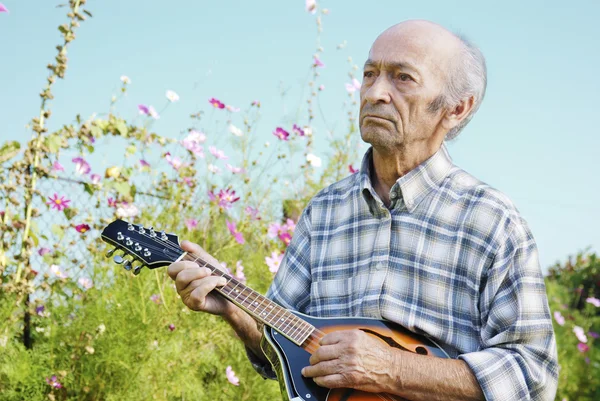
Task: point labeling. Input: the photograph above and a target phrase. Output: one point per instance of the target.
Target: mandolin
(289, 337)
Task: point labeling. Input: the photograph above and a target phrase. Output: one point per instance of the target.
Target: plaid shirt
(450, 258)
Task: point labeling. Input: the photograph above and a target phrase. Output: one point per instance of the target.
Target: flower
(112, 172)
(235, 130)
(286, 238)
(143, 109)
(127, 210)
(235, 170)
(219, 154)
(230, 374)
(252, 212)
(101, 328)
(311, 6)
(297, 130)
(232, 109)
(171, 327)
(593, 301)
(172, 96)
(583, 347)
(173, 161)
(233, 230)
(53, 382)
(155, 298)
(112, 202)
(559, 318)
(353, 86)
(81, 166)
(39, 310)
(317, 62)
(225, 198)
(56, 270)
(314, 161)
(85, 282)
(593, 334)
(308, 130)
(58, 204)
(192, 142)
(281, 134)
(213, 169)
(43, 251)
(153, 113)
(352, 169)
(321, 87)
(580, 334)
(239, 272)
(144, 163)
(255, 103)
(82, 228)
(89, 349)
(274, 261)
(95, 179)
(216, 103)
(56, 166)
(125, 79)
(191, 224)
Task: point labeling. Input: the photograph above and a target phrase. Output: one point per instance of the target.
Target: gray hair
(467, 77)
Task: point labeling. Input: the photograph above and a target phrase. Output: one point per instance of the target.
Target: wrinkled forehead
(428, 51)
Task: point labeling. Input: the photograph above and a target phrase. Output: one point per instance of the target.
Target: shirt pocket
(338, 297)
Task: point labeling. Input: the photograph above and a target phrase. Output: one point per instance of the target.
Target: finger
(203, 287)
(334, 337)
(174, 268)
(321, 369)
(331, 381)
(186, 276)
(202, 257)
(326, 353)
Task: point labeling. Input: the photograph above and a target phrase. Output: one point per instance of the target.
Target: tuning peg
(137, 269)
(110, 253)
(118, 259)
(127, 264)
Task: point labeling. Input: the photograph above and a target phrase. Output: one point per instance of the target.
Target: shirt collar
(412, 187)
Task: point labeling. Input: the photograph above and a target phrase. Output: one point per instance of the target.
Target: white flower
(127, 210)
(307, 130)
(101, 329)
(314, 161)
(213, 169)
(235, 130)
(85, 282)
(125, 79)
(89, 349)
(56, 270)
(172, 96)
(153, 113)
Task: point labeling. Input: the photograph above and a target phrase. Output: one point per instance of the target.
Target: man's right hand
(195, 283)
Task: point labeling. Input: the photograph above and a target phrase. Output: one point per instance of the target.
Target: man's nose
(379, 91)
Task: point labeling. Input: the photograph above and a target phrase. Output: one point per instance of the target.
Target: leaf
(54, 143)
(57, 230)
(88, 13)
(96, 131)
(88, 188)
(9, 150)
(34, 237)
(70, 212)
(123, 188)
(121, 127)
(131, 149)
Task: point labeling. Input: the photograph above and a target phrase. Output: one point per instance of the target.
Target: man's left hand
(353, 359)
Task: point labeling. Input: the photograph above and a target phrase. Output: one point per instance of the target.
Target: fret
(297, 326)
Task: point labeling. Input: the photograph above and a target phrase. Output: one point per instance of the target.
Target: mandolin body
(288, 359)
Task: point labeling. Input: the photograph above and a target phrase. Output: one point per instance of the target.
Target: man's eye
(405, 77)
(368, 74)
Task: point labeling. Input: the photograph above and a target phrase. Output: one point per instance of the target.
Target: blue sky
(534, 138)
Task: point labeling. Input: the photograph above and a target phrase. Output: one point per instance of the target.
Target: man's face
(405, 72)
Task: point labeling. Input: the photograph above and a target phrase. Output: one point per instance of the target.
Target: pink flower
(219, 154)
(144, 163)
(173, 161)
(85, 282)
(353, 86)
(82, 228)
(112, 202)
(191, 224)
(281, 134)
(56, 166)
(311, 6)
(274, 261)
(559, 318)
(321, 87)
(56, 270)
(286, 238)
(192, 142)
(171, 327)
(153, 113)
(235, 170)
(95, 179)
(232, 109)
(593, 334)
(58, 203)
(252, 212)
(233, 230)
(143, 109)
(239, 272)
(255, 103)
(583, 347)
(216, 103)
(579, 333)
(43, 251)
(231, 377)
(593, 301)
(317, 62)
(274, 230)
(81, 166)
(225, 198)
(290, 225)
(53, 382)
(155, 298)
(297, 130)
(352, 169)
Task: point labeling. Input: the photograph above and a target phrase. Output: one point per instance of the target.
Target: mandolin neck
(258, 306)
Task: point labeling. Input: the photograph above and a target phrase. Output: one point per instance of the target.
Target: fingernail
(208, 271)
(223, 281)
(302, 371)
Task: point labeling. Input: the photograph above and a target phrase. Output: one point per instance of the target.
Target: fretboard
(260, 307)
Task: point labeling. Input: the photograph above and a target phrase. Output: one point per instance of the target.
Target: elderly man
(415, 240)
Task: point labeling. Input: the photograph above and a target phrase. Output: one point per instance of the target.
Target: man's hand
(194, 283)
(352, 359)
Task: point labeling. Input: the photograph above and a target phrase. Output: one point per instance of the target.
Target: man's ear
(454, 116)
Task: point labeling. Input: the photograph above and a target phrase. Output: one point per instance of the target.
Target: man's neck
(389, 166)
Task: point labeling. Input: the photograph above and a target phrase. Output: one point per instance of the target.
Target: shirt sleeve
(517, 359)
(291, 286)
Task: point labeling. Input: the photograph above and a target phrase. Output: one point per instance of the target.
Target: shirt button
(379, 266)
